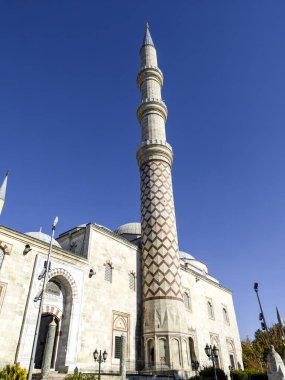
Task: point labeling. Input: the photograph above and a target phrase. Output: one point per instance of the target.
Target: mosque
(132, 282)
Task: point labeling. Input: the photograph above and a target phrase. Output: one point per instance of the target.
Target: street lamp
(212, 353)
(100, 358)
(195, 366)
(261, 315)
(41, 298)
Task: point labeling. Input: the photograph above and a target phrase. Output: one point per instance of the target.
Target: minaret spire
(3, 191)
(163, 311)
(147, 37)
(281, 322)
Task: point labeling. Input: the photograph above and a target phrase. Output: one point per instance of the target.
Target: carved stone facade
(161, 277)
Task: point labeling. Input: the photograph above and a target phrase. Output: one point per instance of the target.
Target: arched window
(108, 272)
(225, 315)
(186, 299)
(210, 309)
(132, 281)
(2, 254)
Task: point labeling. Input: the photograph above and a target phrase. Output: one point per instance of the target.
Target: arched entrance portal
(45, 321)
(58, 302)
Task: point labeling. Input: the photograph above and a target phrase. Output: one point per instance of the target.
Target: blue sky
(69, 133)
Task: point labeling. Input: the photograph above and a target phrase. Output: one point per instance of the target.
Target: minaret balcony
(152, 105)
(149, 72)
(154, 150)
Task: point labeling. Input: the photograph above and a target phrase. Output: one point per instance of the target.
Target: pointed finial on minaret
(3, 191)
(147, 37)
(280, 320)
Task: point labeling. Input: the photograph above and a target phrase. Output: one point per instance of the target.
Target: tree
(254, 353)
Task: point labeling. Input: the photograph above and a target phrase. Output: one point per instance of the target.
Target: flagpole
(41, 298)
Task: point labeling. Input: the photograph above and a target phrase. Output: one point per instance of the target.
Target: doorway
(46, 319)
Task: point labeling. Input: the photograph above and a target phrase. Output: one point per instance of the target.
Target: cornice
(40, 245)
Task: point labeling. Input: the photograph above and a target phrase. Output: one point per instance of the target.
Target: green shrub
(207, 373)
(81, 376)
(239, 375)
(13, 372)
(248, 374)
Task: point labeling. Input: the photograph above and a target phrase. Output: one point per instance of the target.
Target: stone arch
(193, 356)
(53, 310)
(175, 353)
(150, 353)
(185, 354)
(62, 272)
(163, 355)
(120, 323)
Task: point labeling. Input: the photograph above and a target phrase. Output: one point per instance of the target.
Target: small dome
(129, 229)
(185, 255)
(43, 237)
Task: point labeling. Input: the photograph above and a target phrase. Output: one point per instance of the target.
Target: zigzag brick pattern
(161, 277)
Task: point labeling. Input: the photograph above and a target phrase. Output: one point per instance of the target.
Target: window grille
(108, 273)
(117, 352)
(2, 254)
(186, 299)
(132, 281)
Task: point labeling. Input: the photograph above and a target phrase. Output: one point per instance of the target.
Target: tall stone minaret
(164, 325)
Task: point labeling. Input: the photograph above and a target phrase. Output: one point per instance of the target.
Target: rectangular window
(117, 351)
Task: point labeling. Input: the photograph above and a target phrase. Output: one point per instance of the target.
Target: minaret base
(166, 339)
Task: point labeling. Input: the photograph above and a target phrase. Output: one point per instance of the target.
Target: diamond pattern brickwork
(161, 277)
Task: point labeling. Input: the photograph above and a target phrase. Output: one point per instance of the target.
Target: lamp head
(255, 286)
(215, 351)
(95, 355)
(105, 355)
(55, 222)
(27, 249)
(208, 350)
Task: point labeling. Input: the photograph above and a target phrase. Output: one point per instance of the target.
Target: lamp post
(99, 357)
(195, 366)
(41, 298)
(212, 353)
(261, 315)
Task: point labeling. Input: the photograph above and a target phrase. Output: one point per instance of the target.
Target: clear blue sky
(69, 132)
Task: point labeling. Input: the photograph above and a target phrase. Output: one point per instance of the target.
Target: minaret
(164, 325)
(3, 192)
(281, 323)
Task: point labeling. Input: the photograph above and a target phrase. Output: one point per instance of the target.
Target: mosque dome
(43, 237)
(185, 255)
(129, 229)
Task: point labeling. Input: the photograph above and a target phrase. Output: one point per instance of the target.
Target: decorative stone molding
(7, 248)
(62, 272)
(53, 310)
(109, 262)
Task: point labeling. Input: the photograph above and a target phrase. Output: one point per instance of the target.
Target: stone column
(123, 370)
(48, 348)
